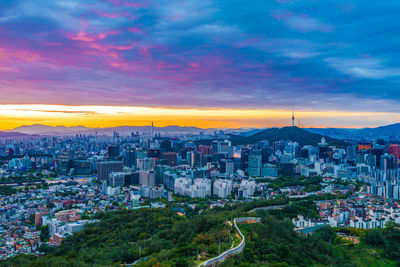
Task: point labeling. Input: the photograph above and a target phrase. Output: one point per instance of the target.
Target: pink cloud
(88, 37)
(115, 15)
(8, 69)
(108, 15)
(84, 37)
(144, 51)
(134, 29)
(52, 44)
(164, 65)
(194, 65)
(127, 3)
(19, 55)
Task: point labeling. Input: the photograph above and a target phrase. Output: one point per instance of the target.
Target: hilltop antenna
(292, 118)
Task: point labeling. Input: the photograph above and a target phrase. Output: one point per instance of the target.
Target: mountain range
(39, 129)
(391, 131)
(13, 135)
(387, 132)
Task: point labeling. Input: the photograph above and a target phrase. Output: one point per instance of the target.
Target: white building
(368, 223)
(199, 187)
(301, 223)
(113, 191)
(247, 188)
(222, 188)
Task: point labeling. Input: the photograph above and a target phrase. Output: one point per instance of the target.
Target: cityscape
(199, 133)
(54, 186)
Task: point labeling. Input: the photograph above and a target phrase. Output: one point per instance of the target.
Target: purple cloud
(200, 54)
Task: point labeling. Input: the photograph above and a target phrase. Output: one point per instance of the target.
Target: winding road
(236, 250)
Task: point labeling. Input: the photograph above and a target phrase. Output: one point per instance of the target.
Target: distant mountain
(49, 130)
(391, 131)
(248, 133)
(296, 134)
(123, 130)
(337, 133)
(14, 135)
(330, 131)
(386, 132)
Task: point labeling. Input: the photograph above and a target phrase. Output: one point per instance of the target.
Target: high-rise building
(104, 188)
(199, 187)
(147, 178)
(394, 149)
(82, 167)
(146, 163)
(204, 149)
(129, 156)
(387, 162)
(196, 159)
(269, 170)
(113, 151)
(255, 161)
(117, 179)
(244, 159)
(351, 152)
(141, 154)
(227, 166)
(62, 166)
(222, 188)
(171, 158)
(105, 168)
(153, 153)
(378, 151)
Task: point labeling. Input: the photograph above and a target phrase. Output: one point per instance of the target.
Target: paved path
(222, 257)
(268, 208)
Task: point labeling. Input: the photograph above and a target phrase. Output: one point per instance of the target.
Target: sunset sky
(198, 63)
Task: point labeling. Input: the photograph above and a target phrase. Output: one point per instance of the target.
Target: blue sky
(307, 55)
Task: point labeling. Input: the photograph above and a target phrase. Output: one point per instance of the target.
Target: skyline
(13, 116)
(320, 58)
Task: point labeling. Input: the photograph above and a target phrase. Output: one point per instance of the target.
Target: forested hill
(296, 134)
(162, 238)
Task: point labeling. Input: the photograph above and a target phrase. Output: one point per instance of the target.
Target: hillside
(14, 135)
(163, 238)
(391, 131)
(159, 235)
(296, 134)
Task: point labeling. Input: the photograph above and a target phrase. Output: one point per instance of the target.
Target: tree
(44, 233)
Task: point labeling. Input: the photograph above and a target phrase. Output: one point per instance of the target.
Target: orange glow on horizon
(12, 116)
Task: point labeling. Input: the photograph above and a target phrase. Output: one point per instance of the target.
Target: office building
(255, 161)
(105, 168)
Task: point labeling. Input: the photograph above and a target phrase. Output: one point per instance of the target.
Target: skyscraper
(113, 151)
(105, 168)
(255, 161)
(196, 159)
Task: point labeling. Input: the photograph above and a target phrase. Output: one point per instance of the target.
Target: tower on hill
(292, 118)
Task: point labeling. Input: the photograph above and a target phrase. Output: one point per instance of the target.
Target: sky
(205, 63)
